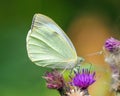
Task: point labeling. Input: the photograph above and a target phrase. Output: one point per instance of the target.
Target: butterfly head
(80, 60)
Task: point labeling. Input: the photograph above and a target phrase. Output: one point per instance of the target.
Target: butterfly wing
(48, 45)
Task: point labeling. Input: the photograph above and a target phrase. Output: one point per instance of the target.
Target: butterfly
(49, 46)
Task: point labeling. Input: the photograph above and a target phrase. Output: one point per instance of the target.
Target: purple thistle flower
(112, 45)
(112, 57)
(83, 79)
(54, 80)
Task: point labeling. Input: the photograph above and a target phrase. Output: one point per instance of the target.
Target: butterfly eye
(80, 60)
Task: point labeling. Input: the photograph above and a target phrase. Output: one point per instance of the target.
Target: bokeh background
(87, 22)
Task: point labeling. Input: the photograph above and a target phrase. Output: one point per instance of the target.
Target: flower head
(112, 45)
(54, 80)
(83, 79)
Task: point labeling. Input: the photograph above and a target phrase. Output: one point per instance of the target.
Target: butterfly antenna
(95, 53)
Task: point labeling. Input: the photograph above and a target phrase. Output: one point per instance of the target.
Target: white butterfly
(49, 46)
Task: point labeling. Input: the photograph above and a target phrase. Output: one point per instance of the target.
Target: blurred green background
(18, 75)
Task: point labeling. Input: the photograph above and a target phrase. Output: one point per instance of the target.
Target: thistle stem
(86, 93)
(62, 91)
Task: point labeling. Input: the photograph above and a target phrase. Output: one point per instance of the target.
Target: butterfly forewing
(40, 19)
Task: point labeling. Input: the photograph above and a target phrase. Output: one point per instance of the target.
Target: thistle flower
(112, 52)
(54, 80)
(112, 45)
(112, 57)
(83, 79)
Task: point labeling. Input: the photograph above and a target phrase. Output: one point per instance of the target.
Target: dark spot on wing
(36, 22)
(55, 33)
